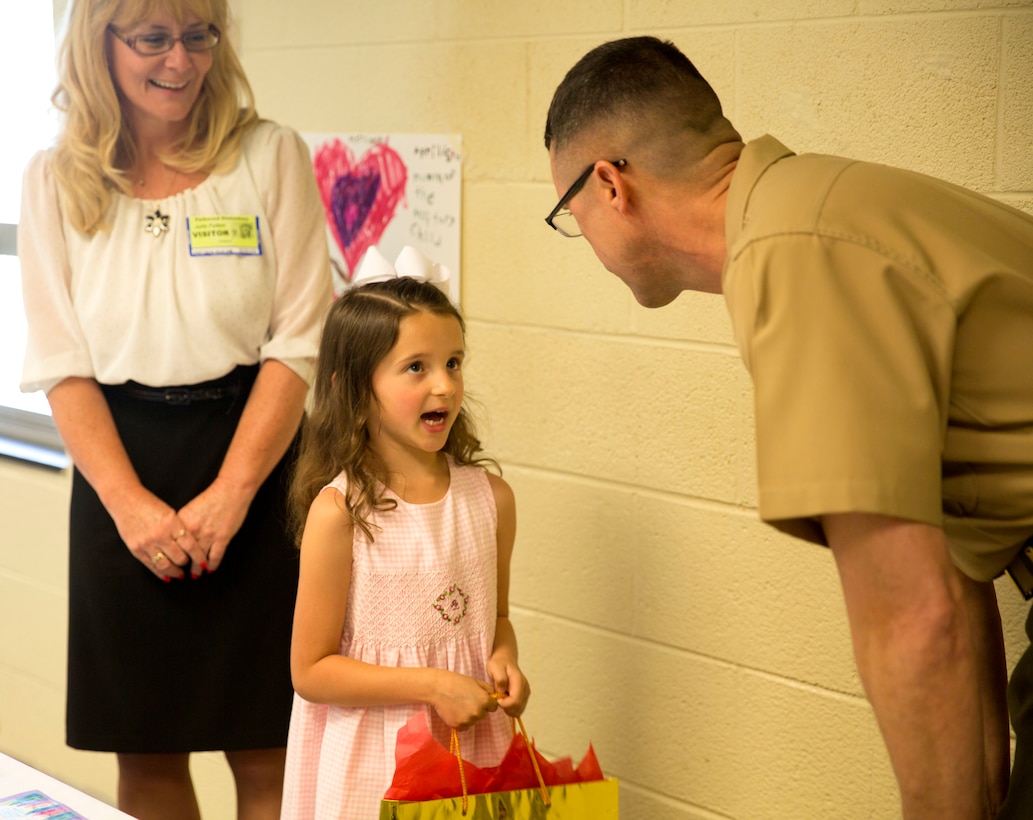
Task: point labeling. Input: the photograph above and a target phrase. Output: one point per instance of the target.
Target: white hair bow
(410, 262)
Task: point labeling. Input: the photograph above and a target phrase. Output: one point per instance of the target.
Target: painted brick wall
(705, 656)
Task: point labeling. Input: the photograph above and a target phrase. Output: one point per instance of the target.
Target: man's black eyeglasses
(560, 219)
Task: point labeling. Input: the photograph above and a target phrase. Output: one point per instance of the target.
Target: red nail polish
(195, 575)
(166, 579)
(204, 566)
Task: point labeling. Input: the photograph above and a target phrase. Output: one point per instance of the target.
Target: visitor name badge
(224, 235)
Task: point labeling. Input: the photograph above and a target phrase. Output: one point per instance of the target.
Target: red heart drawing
(359, 198)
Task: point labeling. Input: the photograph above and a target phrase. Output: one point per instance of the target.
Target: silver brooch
(157, 223)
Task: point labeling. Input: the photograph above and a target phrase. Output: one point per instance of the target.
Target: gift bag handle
(534, 761)
(454, 749)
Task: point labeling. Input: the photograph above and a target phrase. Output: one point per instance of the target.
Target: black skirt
(189, 665)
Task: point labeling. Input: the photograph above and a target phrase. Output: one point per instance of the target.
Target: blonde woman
(175, 275)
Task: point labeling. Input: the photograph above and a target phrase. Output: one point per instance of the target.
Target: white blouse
(162, 309)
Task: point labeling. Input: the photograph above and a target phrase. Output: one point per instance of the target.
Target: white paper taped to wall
(389, 190)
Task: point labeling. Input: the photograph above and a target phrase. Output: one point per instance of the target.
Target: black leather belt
(235, 383)
(180, 395)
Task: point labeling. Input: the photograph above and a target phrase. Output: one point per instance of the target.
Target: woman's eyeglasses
(150, 45)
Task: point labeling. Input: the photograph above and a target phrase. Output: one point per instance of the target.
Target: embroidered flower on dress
(452, 604)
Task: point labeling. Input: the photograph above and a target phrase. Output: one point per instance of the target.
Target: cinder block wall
(706, 657)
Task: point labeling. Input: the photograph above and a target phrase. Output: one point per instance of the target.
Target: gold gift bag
(594, 800)
(588, 800)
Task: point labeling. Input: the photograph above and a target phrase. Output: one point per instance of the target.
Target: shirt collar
(757, 156)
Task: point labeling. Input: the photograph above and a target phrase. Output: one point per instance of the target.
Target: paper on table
(31, 804)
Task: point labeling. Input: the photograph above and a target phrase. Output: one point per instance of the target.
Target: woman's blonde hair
(95, 147)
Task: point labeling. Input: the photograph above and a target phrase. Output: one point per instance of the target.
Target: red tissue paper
(426, 770)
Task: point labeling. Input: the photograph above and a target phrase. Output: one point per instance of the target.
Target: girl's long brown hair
(360, 329)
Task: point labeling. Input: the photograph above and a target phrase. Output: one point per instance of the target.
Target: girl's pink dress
(423, 593)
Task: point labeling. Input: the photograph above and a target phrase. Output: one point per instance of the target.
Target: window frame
(27, 435)
(24, 435)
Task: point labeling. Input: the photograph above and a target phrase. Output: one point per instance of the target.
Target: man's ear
(613, 185)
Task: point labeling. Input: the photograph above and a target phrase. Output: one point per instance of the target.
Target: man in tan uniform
(887, 321)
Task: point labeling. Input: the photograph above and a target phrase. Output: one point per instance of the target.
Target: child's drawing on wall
(389, 191)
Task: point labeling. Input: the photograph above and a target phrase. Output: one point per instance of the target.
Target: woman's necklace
(157, 223)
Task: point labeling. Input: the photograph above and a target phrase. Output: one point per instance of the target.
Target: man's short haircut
(637, 79)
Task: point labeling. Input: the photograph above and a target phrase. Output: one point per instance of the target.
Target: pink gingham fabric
(423, 593)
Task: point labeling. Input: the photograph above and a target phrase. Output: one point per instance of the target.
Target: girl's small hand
(511, 687)
(461, 701)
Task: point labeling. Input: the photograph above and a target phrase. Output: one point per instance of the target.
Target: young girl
(403, 597)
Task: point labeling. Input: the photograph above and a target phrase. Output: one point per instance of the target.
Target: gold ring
(157, 557)
(179, 535)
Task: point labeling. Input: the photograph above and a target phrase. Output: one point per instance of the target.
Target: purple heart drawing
(351, 200)
(360, 198)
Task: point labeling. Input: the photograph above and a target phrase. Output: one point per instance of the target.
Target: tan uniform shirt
(887, 321)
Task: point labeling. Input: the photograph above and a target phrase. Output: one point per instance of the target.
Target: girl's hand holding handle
(460, 700)
(512, 690)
